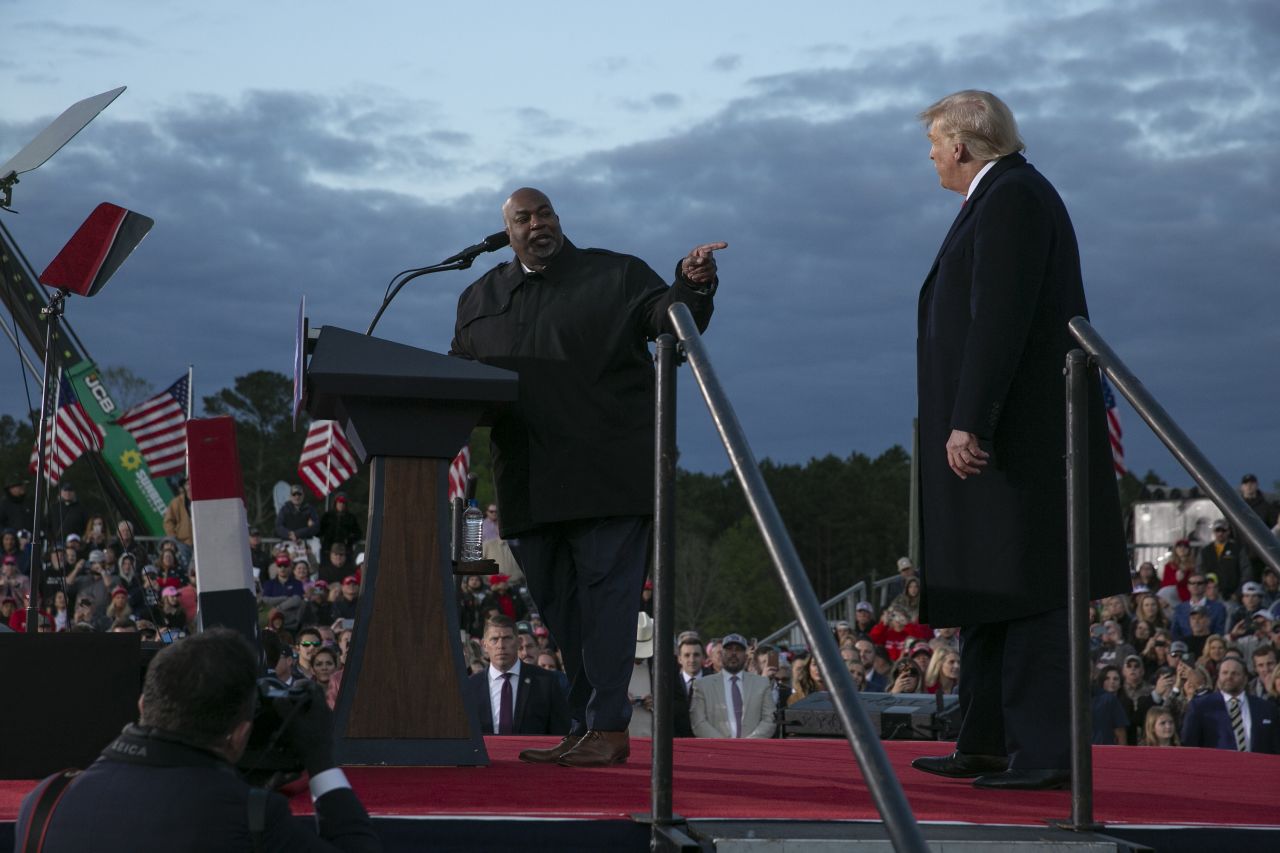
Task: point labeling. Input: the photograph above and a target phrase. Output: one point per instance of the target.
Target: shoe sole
(610, 763)
(1056, 786)
(967, 774)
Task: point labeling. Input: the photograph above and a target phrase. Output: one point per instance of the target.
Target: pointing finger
(708, 248)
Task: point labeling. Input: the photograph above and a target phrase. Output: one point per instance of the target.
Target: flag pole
(43, 444)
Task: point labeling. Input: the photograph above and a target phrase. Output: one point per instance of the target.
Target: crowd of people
(1210, 613)
(98, 575)
(1206, 622)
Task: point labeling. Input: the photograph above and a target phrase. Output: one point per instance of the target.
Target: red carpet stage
(810, 781)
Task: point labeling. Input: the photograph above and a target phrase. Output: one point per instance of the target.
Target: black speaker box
(896, 716)
(67, 697)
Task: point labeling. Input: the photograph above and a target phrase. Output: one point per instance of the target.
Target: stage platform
(785, 795)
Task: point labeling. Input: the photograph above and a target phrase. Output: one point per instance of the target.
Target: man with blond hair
(991, 346)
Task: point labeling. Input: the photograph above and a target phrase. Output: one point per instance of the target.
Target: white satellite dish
(59, 132)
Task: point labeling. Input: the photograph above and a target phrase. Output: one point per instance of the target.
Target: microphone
(492, 243)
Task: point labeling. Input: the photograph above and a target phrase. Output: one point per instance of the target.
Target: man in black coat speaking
(573, 459)
(992, 345)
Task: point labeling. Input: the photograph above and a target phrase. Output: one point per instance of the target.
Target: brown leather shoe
(598, 749)
(552, 755)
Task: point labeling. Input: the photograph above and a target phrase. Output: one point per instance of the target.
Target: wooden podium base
(401, 700)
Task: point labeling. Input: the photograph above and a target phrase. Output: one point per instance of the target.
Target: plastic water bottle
(472, 534)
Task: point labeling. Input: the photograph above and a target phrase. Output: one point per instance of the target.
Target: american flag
(458, 471)
(71, 432)
(1114, 432)
(327, 458)
(159, 426)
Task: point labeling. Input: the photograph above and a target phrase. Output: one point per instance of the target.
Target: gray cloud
(82, 32)
(1157, 125)
(726, 62)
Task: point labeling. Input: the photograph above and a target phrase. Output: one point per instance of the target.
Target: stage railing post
(883, 785)
(664, 595)
(1077, 462)
(1244, 521)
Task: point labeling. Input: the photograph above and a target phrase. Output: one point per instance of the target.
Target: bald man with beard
(573, 458)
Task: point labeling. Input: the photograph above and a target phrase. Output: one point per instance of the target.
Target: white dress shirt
(495, 691)
(973, 185)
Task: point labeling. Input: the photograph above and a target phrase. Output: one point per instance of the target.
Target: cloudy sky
(301, 148)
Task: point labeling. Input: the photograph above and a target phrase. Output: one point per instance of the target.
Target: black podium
(407, 412)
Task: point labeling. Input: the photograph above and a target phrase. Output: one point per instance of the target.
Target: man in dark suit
(512, 698)
(572, 458)
(992, 344)
(195, 716)
(1211, 719)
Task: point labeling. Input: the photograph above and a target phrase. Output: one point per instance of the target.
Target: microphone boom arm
(386, 303)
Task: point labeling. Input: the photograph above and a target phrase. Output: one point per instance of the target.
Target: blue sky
(295, 148)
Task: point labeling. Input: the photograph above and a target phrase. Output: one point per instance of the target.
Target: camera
(269, 755)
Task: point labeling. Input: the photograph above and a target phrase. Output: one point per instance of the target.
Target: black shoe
(1025, 780)
(960, 765)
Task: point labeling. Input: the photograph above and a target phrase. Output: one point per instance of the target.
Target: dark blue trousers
(1015, 691)
(586, 578)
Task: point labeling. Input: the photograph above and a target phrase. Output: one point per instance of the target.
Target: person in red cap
(348, 600)
(502, 599)
(339, 525)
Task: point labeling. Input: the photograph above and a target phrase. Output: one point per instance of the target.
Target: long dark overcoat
(991, 348)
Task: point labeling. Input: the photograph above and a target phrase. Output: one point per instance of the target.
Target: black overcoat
(579, 441)
(991, 347)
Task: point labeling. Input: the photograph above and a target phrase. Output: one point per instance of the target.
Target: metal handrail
(836, 608)
(884, 787)
(1243, 519)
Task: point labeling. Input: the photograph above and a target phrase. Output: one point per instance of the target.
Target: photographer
(196, 714)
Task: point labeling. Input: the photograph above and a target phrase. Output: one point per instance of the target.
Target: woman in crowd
(1115, 608)
(475, 657)
(1110, 722)
(302, 574)
(1148, 610)
(1139, 633)
(61, 615)
(1156, 652)
(1180, 566)
(1273, 686)
(943, 675)
(171, 614)
(95, 534)
(1147, 577)
(1190, 682)
(809, 681)
(324, 663)
(906, 677)
(170, 576)
(908, 601)
(1160, 729)
(342, 640)
(1215, 650)
(119, 607)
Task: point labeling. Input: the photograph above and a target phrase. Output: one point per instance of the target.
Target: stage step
(855, 837)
